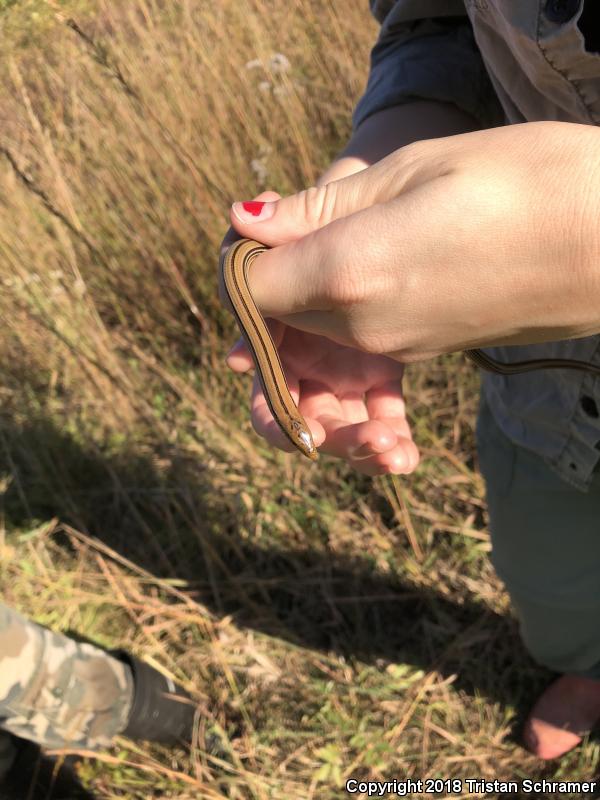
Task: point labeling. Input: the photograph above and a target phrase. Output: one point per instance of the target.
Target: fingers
(240, 359)
(278, 221)
(342, 428)
(371, 433)
(230, 237)
(289, 218)
(330, 270)
(265, 425)
(294, 279)
(374, 447)
(232, 234)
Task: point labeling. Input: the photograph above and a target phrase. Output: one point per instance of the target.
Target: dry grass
(330, 625)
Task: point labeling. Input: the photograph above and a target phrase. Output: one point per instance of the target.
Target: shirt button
(589, 406)
(561, 10)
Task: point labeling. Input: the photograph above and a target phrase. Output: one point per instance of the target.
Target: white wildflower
(254, 64)
(264, 87)
(279, 63)
(259, 168)
(282, 91)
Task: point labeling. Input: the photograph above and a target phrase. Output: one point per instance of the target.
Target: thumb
(239, 357)
(290, 218)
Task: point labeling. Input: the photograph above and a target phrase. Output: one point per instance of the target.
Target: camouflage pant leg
(57, 692)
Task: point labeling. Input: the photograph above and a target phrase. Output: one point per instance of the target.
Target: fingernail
(399, 464)
(253, 211)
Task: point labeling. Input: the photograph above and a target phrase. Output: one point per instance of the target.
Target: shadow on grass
(161, 511)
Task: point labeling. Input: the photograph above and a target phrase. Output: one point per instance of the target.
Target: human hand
(352, 401)
(482, 238)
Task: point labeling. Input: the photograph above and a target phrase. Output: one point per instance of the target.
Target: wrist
(392, 128)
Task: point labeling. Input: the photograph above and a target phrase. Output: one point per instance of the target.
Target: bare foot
(562, 715)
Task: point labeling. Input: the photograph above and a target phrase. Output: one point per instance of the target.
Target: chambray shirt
(507, 62)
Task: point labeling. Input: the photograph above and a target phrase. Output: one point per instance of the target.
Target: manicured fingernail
(253, 211)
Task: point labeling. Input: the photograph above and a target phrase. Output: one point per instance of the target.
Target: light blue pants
(546, 548)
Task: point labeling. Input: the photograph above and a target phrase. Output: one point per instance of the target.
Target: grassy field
(330, 625)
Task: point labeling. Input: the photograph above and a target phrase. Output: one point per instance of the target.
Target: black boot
(162, 711)
(35, 776)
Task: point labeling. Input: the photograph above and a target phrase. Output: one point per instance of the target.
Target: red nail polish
(253, 211)
(253, 207)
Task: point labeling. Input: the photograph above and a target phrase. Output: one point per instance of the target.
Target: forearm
(388, 130)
